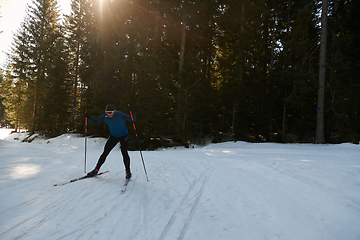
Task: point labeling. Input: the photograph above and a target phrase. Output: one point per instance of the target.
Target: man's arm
(98, 120)
(126, 117)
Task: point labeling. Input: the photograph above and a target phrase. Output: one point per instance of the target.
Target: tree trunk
(181, 91)
(32, 130)
(241, 42)
(182, 48)
(76, 77)
(319, 138)
(236, 116)
(283, 121)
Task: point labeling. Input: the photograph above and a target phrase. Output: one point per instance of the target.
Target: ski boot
(93, 173)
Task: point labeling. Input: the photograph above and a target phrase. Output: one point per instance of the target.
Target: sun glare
(24, 171)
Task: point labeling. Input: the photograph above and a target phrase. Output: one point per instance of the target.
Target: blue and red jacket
(116, 124)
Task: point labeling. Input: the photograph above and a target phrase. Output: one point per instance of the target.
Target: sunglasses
(110, 112)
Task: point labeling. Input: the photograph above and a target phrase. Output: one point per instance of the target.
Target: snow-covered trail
(220, 191)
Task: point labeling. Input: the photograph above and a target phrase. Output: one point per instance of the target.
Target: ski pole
(132, 118)
(86, 120)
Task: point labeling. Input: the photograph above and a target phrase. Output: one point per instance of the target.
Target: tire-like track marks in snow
(188, 204)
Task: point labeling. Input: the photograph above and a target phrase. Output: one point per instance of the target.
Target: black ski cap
(110, 107)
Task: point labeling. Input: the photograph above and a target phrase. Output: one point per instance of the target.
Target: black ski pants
(110, 144)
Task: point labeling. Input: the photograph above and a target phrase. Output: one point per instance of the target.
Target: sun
(65, 6)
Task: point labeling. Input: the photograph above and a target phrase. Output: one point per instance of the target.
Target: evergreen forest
(193, 70)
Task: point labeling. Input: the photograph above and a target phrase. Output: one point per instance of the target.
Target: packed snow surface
(230, 191)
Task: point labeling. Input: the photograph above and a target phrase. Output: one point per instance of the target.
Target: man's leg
(110, 144)
(124, 151)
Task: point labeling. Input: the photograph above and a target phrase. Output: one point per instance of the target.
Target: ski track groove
(184, 200)
(173, 217)
(35, 215)
(119, 198)
(16, 207)
(296, 176)
(285, 214)
(145, 210)
(99, 219)
(164, 168)
(49, 213)
(139, 223)
(193, 208)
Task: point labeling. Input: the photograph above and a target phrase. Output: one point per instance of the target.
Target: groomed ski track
(221, 191)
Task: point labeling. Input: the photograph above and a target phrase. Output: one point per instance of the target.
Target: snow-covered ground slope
(225, 191)
(5, 132)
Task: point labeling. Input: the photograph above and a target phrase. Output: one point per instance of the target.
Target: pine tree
(319, 138)
(76, 39)
(42, 27)
(36, 66)
(3, 93)
(56, 107)
(17, 80)
(342, 115)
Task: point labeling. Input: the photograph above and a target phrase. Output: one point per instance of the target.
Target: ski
(77, 179)
(125, 185)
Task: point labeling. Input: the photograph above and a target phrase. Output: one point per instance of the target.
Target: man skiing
(118, 133)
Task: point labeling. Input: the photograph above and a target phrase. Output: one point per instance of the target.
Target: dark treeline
(225, 69)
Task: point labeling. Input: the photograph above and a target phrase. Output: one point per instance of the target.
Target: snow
(4, 132)
(220, 191)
